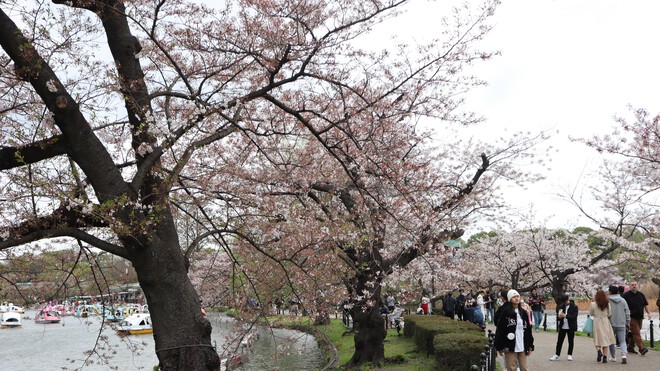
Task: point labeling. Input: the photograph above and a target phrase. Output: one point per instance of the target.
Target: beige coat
(603, 333)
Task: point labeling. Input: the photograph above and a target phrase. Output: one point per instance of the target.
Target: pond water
(69, 345)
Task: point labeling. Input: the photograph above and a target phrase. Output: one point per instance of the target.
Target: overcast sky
(569, 66)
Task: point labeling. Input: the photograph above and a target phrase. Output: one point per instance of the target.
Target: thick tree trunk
(182, 335)
(370, 332)
(558, 288)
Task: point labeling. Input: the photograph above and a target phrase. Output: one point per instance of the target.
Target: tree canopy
(151, 129)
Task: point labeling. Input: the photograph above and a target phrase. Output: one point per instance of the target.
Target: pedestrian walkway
(584, 356)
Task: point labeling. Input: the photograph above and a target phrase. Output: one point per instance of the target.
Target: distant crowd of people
(478, 308)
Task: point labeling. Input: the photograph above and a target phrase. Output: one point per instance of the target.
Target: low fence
(488, 356)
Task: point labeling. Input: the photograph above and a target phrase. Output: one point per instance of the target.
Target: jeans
(620, 333)
(560, 340)
(538, 317)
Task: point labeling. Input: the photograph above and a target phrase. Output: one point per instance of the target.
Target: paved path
(584, 356)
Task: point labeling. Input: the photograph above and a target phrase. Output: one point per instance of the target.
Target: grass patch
(656, 344)
(289, 321)
(341, 338)
(401, 353)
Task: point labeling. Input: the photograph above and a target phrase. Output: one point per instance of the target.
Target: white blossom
(52, 86)
(144, 149)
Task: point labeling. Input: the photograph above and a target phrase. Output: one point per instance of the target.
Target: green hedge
(456, 344)
(458, 351)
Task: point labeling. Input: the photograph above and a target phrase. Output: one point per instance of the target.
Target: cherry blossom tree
(406, 202)
(211, 274)
(626, 189)
(637, 143)
(539, 257)
(262, 124)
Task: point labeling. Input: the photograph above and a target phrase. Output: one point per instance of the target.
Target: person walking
(460, 301)
(620, 321)
(449, 306)
(389, 299)
(567, 314)
(513, 334)
(502, 306)
(637, 304)
(481, 302)
(536, 302)
(490, 307)
(395, 318)
(601, 312)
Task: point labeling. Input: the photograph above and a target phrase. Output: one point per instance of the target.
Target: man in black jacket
(449, 306)
(637, 304)
(567, 314)
(460, 300)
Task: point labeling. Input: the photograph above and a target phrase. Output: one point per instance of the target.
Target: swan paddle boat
(10, 319)
(114, 314)
(86, 310)
(11, 308)
(44, 317)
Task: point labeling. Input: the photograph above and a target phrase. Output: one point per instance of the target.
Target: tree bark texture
(182, 334)
(370, 332)
(150, 241)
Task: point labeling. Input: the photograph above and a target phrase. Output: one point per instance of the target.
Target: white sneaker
(570, 357)
(554, 358)
(612, 359)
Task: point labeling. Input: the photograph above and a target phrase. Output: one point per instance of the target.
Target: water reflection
(67, 346)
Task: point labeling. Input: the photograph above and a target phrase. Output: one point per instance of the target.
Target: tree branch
(11, 157)
(65, 232)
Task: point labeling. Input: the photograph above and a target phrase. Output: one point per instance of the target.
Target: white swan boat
(11, 308)
(10, 319)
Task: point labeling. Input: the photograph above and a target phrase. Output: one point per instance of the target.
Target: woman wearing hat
(513, 336)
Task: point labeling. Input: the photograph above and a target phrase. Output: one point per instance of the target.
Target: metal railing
(488, 356)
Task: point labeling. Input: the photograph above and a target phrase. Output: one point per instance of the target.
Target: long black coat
(506, 324)
(571, 315)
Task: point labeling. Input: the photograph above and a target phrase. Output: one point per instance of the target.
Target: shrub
(456, 344)
(424, 328)
(458, 351)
